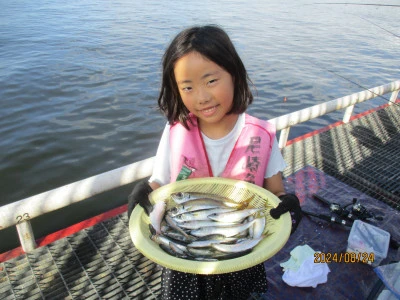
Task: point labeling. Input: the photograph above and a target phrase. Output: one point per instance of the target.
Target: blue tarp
(347, 280)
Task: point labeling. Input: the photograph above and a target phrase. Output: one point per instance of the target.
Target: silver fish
(162, 240)
(236, 216)
(251, 228)
(165, 228)
(170, 251)
(238, 247)
(205, 258)
(177, 236)
(178, 249)
(232, 254)
(201, 215)
(182, 197)
(203, 252)
(208, 243)
(157, 214)
(172, 223)
(259, 225)
(226, 231)
(202, 223)
(214, 237)
(211, 255)
(200, 204)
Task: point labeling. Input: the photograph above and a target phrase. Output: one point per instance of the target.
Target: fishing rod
(342, 216)
(369, 21)
(341, 76)
(349, 80)
(330, 219)
(357, 212)
(364, 4)
(337, 220)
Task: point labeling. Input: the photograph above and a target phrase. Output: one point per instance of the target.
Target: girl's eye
(212, 81)
(186, 89)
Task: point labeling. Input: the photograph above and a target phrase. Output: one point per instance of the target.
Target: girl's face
(206, 90)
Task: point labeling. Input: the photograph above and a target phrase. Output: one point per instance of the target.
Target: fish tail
(152, 230)
(245, 203)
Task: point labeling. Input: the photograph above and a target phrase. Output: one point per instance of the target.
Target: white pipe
(333, 105)
(74, 192)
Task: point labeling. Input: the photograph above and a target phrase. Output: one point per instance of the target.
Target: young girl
(204, 95)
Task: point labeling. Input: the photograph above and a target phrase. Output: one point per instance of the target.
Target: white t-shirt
(218, 152)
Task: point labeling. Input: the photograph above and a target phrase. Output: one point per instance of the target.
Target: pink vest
(247, 161)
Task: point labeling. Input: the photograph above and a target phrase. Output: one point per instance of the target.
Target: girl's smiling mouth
(209, 111)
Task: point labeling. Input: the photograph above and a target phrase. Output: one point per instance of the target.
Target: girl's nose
(203, 95)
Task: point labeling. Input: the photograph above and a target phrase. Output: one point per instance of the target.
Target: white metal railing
(285, 122)
(20, 212)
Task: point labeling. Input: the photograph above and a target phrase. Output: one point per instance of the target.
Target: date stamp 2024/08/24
(344, 257)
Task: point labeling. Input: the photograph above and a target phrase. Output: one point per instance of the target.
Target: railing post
(284, 137)
(347, 114)
(393, 97)
(26, 237)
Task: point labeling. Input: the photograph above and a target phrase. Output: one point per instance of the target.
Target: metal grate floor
(364, 154)
(101, 262)
(97, 263)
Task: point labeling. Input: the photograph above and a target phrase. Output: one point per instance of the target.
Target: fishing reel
(361, 212)
(357, 211)
(344, 216)
(335, 208)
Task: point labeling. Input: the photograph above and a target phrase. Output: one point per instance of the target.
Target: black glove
(290, 203)
(140, 194)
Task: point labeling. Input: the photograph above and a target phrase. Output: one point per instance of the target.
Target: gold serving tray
(278, 230)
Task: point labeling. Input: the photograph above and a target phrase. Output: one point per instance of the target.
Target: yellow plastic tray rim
(279, 230)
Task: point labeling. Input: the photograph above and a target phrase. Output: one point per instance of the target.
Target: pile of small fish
(206, 227)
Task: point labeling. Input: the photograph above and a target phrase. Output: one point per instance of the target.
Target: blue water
(79, 79)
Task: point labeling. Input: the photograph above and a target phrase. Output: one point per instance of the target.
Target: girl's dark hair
(213, 43)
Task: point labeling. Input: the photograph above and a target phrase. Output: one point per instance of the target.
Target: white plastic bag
(390, 275)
